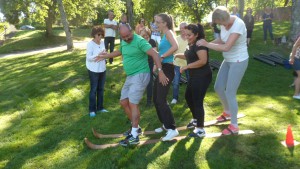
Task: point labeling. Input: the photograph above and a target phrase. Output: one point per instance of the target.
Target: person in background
(295, 61)
(249, 21)
(155, 34)
(168, 45)
(110, 33)
(140, 26)
(267, 24)
(178, 62)
(96, 71)
(135, 51)
(145, 33)
(200, 77)
(235, 11)
(122, 22)
(234, 48)
(216, 30)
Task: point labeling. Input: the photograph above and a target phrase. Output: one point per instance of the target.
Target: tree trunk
(129, 7)
(65, 24)
(50, 18)
(241, 8)
(295, 23)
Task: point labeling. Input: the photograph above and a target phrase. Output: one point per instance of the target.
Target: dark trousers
(111, 42)
(268, 27)
(194, 96)
(160, 93)
(150, 85)
(97, 81)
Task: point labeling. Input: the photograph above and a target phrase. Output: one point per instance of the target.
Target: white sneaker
(160, 129)
(296, 97)
(174, 101)
(170, 135)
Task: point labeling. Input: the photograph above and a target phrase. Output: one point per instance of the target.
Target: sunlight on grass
(65, 151)
(6, 120)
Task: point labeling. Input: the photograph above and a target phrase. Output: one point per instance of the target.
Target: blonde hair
(220, 13)
(146, 30)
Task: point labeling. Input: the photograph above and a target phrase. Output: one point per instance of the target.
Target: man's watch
(159, 69)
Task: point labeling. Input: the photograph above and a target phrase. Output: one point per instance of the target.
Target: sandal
(230, 130)
(223, 117)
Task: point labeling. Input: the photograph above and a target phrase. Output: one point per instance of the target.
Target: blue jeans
(177, 80)
(268, 28)
(97, 81)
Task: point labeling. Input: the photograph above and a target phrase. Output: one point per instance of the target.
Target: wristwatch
(159, 69)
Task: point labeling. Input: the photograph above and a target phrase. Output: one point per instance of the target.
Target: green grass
(25, 40)
(44, 118)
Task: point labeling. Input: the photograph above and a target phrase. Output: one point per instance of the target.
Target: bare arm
(225, 47)
(174, 44)
(179, 55)
(295, 46)
(108, 55)
(162, 77)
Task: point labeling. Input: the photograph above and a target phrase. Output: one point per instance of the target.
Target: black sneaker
(130, 140)
(128, 132)
(192, 124)
(200, 133)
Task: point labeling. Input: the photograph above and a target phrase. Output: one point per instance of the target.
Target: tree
(129, 8)
(295, 28)
(66, 24)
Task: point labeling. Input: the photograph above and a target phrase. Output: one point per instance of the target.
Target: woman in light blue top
(168, 45)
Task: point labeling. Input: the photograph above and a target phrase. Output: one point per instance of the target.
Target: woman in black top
(200, 77)
(249, 22)
(146, 33)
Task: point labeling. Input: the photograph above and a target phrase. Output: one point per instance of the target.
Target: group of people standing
(192, 56)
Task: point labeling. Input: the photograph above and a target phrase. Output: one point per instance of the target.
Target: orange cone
(289, 141)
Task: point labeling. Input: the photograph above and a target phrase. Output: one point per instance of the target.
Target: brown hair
(147, 30)
(168, 19)
(97, 30)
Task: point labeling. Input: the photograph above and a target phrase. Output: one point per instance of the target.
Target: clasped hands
(100, 57)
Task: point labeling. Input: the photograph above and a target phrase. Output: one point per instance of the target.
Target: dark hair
(168, 19)
(196, 29)
(96, 30)
(141, 21)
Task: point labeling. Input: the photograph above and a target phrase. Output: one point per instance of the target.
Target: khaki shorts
(134, 87)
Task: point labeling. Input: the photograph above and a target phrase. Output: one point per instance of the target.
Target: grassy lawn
(44, 117)
(35, 39)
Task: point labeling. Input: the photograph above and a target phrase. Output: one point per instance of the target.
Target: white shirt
(109, 32)
(92, 50)
(239, 50)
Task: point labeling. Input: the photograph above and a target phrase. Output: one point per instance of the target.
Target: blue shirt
(163, 47)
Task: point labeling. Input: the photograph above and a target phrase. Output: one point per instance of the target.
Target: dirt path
(77, 45)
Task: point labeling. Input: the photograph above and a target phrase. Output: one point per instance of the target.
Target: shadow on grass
(247, 152)
(46, 98)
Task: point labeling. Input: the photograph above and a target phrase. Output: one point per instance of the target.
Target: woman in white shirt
(96, 70)
(232, 43)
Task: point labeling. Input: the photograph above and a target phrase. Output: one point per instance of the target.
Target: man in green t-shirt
(135, 51)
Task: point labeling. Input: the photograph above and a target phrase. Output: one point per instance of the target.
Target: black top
(191, 56)
(249, 22)
(267, 18)
(153, 44)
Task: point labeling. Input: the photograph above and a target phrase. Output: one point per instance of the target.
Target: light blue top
(163, 47)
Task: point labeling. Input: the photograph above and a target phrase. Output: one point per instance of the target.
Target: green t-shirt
(135, 58)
